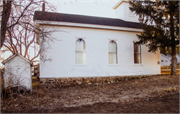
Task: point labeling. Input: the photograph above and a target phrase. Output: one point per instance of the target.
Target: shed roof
(14, 55)
(61, 17)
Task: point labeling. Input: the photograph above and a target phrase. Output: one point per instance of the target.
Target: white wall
(18, 70)
(62, 54)
(123, 12)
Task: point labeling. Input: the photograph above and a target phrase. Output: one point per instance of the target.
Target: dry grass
(165, 91)
(136, 83)
(35, 84)
(169, 72)
(169, 67)
(170, 89)
(34, 78)
(44, 100)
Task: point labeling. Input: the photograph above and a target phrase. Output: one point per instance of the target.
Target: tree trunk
(5, 17)
(173, 64)
(173, 42)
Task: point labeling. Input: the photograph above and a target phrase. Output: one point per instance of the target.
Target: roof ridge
(166, 56)
(87, 16)
(84, 19)
(13, 55)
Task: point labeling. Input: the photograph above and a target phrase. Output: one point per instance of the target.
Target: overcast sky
(102, 8)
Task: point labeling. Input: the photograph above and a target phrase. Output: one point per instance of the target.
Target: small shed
(178, 58)
(17, 72)
(165, 61)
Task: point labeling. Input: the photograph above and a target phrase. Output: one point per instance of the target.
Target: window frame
(141, 63)
(82, 51)
(117, 61)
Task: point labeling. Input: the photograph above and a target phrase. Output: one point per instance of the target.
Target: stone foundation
(86, 81)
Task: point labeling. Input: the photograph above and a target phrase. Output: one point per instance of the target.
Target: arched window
(137, 54)
(80, 56)
(112, 52)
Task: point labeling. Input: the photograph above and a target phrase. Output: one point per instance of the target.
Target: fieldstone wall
(86, 81)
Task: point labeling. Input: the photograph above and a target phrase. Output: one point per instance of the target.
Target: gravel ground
(151, 94)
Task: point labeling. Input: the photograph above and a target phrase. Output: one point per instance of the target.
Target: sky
(101, 8)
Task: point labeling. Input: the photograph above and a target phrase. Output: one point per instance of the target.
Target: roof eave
(119, 3)
(41, 22)
(16, 54)
(166, 56)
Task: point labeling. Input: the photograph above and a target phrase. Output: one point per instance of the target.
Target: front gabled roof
(82, 19)
(14, 55)
(119, 3)
(177, 55)
(165, 56)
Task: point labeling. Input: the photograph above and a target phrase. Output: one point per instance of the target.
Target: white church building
(91, 46)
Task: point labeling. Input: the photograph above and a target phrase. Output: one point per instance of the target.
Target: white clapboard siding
(17, 72)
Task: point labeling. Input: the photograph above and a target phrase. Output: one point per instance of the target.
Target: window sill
(80, 65)
(112, 64)
(138, 64)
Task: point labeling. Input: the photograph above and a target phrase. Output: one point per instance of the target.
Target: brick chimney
(43, 7)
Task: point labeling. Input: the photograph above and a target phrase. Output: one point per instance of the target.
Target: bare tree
(21, 31)
(19, 11)
(21, 40)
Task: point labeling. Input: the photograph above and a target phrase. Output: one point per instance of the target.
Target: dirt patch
(165, 104)
(151, 94)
